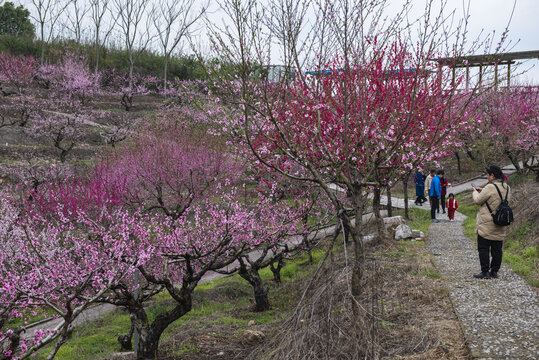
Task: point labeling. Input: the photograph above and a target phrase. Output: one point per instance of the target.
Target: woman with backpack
(489, 235)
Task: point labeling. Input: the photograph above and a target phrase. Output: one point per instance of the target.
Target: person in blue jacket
(435, 194)
(419, 180)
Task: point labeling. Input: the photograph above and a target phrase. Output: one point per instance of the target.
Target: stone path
(500, 317)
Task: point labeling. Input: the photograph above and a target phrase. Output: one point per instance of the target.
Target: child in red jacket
(452, 206)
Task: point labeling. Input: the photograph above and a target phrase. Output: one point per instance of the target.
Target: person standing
(452, 206)
(435, 194)
(419, 180)
(427, 183)
(443, 182)
(489, 235)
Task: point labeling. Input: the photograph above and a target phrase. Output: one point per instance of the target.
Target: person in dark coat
(444, 183)
(419, 180)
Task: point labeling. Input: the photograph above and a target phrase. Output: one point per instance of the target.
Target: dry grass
(405, 313)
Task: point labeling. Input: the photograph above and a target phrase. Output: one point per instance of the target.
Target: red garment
(451, 214)
(451, 204)
(443, 183)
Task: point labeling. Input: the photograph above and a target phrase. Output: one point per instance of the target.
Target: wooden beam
(490, 59)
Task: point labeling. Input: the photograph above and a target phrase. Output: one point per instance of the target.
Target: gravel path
(500, 317)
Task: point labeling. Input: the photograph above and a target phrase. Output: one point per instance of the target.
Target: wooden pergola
(486, 60)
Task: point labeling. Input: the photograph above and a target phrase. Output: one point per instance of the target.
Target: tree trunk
(165, 73)
(458, 162)
(126, 340)
(377, 215)
(96, 59)
(514, 161)
(276, 270)
(356, 232)
(42, 45)
(307, 245)
(405, 189)
(389, 203)
(149, 334)
(261, 294)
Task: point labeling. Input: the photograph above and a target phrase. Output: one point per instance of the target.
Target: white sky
(493, 15)
(487, 15)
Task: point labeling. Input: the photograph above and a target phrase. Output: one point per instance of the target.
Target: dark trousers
(420, 200)
(442, 202)
(487, 248)
(433, 206)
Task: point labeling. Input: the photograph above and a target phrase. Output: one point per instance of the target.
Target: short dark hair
(441, 172)
(496, 171)
(450, 194)
(432, 171)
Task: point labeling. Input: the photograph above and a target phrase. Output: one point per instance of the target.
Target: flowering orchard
(508, 123)
(170, 205)
(59, 256)
(359, 126)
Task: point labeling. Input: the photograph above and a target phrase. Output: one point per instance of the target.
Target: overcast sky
(493, 15)
(486, 15)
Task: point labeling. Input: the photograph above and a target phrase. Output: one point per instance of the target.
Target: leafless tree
(136, 36)
(76, 12)
(99, 11)
(47, 13)
(174, 20)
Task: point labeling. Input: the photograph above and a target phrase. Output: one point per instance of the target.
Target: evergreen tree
(15, 20)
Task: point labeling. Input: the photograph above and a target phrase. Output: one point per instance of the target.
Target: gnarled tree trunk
(260, 292)
(150, 333)
(376, 207)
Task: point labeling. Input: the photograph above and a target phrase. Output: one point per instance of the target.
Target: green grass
(224, 301)
(428, 272)
(522, 256)
(419, 219)
(96, 339)
(468, 208)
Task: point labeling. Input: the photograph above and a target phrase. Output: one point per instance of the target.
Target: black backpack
(504, 214)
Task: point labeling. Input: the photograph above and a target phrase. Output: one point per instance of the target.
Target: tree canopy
(15, 20)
